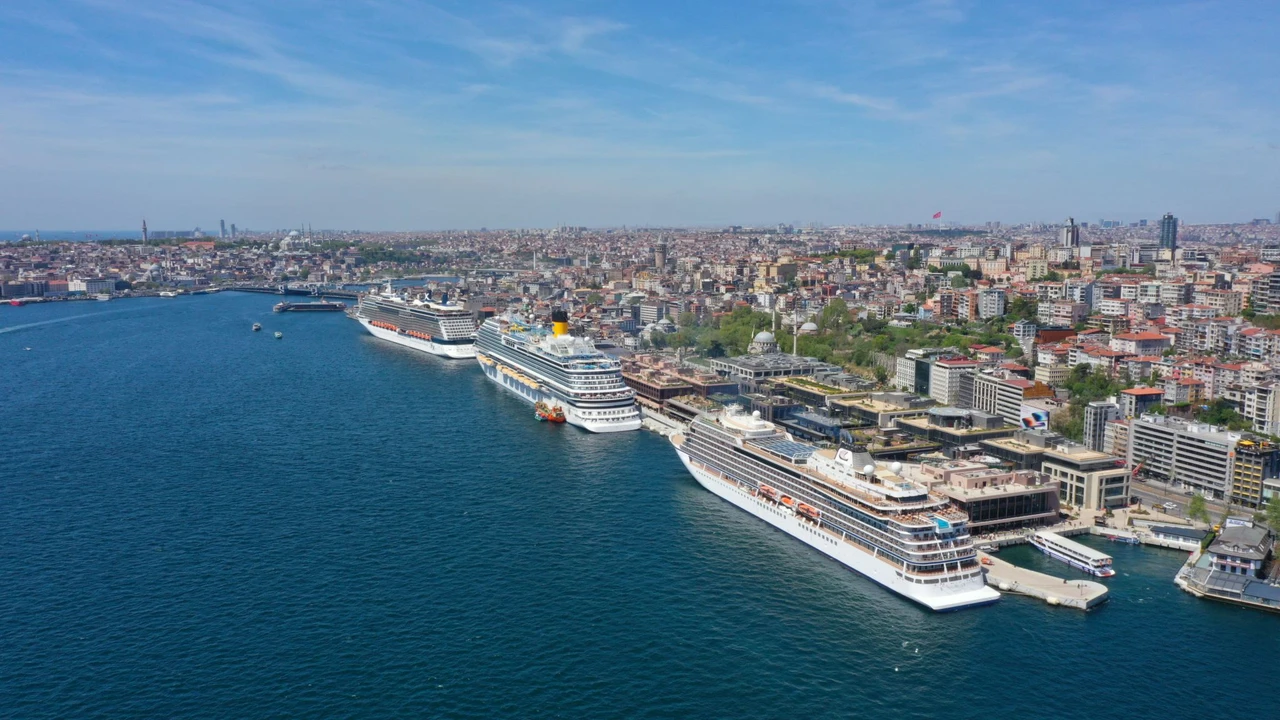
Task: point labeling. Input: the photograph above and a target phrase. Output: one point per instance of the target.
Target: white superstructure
(1073, 553)
(866, 516)
(563, 371)
(440, 328)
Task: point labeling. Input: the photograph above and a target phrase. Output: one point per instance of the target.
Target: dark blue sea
(199, 521)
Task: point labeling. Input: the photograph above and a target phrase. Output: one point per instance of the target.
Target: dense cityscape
(1112, 375)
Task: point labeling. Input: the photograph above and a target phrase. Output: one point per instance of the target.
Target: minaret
(795, 330)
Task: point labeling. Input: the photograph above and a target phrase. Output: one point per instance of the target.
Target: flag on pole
(937, 215)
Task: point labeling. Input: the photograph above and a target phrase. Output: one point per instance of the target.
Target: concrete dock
(1007, 577)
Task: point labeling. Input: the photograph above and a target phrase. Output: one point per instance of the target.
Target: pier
(1007, 577)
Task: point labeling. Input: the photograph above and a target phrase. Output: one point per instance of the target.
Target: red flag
(937, 215)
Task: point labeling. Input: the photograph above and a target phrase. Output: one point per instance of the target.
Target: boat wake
(55, 321)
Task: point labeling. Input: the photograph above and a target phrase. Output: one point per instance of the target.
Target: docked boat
(547, 413)
(318, 306)
(422, 323)
(868, 516)
(257, 327)
(102, 297)
(553, 367)
(1078, 556)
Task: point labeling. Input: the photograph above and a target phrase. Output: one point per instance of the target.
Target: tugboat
(279, 334)
(257, 327)
(547, 413)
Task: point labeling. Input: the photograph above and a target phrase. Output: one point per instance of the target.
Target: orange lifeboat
(808, 511)
(786, 500)
(769, 492)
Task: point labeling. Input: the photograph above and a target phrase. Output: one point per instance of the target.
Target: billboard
(1033, 418)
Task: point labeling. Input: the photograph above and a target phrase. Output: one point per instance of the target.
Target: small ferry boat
(257, 327)
(102, 297)
(1122, 538)
(279, 334)
(547, 413)
(318, 306)
(1073, 553)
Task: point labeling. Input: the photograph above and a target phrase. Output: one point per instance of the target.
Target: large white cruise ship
(421, 323)
(870, 518)
(564, 376)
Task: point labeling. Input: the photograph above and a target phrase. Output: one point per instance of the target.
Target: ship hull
(941, 597)
(456, 352)
(572, 415)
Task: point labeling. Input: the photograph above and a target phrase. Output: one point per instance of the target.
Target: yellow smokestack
(559, 323)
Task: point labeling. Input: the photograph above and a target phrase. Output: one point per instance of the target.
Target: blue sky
(397, 114)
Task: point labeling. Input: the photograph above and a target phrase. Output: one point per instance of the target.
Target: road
(1154, 493)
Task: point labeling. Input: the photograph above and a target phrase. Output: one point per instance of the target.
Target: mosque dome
(809, 327)
(764, 336)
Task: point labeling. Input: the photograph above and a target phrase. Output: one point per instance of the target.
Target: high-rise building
(144, 231)
(1096, 416)
(1169, 232)
(222, 231)
(233, 231)
(1070, 234)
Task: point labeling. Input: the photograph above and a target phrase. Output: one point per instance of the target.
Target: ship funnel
(559, 322)
(444, 298)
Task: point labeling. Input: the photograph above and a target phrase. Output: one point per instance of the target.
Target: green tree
(914, 262)
(835, 316)
(1272, 514)
(882, 375)
(687, 320)
(594, 299)
(658, 340)
(1196, 509)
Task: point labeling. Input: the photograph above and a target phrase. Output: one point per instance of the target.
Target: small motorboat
(257, 327)
(279, 334)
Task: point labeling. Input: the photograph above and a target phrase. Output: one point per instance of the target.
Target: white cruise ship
(439, 328)
(556, 371)
(870, 518)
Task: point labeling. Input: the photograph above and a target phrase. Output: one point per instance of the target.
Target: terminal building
(954, 427)
(754, 368)
(1087, 479)
(994, 499)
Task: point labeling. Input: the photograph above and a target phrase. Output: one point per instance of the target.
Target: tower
(1070, 234)
(144, 232)
(1169, 231)
(660, 256)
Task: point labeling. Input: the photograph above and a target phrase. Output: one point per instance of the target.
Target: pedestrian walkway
(1007, 577)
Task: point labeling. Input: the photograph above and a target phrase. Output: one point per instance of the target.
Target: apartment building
(1003, 394)
(1097, 415)
(944, 378)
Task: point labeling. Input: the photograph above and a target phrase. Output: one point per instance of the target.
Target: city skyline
(468, 115)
